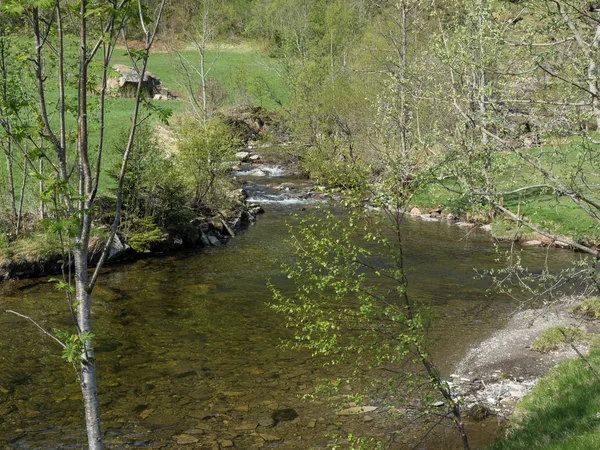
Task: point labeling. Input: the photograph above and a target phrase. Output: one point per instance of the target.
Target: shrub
(203, 152)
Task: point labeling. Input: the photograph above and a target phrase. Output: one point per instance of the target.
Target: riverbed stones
(185, 439)
(357, 410)
(269, 437)
(266, 421)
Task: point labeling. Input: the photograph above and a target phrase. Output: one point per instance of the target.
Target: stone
(213, 240)
(225, 443)
(145, 413)
(451, 217)
(117, 248)
(356, 410)
(256, 209)
(178, 241)
(242, 156)
(438, 404)
(242, 408)
(269, 437)
(532, 243)
(246, 426)
(415, 211)
(266, 421)
(368, 418)
(487, 228)
(478, 412)
(259, 173)
(465, 225)
(204, 239)
(311, 423)
(255, 157)
(185, 439)
(284, 415)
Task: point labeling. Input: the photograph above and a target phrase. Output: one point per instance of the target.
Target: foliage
(153, 187)
(142, 233)
(350, 302)
(76, 345)
(202, 156)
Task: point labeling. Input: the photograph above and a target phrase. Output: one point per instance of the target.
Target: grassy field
(556, 214)
(561, 413)
(245, 75)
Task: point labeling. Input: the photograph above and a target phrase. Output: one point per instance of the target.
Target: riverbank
(496, 374)
(202, 231)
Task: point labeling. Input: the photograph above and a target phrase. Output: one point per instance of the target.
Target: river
(187, 348)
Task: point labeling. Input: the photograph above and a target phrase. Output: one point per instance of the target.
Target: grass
(561, 413)
(555, 338)
(558, 215)
(590, 307)
(244, 74)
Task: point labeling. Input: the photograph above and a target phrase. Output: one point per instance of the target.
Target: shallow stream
(187, 345)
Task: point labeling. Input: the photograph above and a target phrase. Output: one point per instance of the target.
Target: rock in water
(184, 439)
(356, 410)
(242, 156)
(283, 415)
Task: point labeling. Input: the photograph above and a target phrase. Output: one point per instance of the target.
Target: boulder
(213, 240)
(415, 211)
(255, 157)
(117, 249)
(259, 173)
(242, 156)
(532, 243)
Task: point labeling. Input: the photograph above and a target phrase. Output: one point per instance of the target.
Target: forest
(122, 124)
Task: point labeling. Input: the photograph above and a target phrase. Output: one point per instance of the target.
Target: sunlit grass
(561, 413)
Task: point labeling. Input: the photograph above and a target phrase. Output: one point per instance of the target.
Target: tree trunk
(87, 366)
(84, 324)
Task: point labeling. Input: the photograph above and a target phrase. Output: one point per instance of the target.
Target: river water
(186, 344)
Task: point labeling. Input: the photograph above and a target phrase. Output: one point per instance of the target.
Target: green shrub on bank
(203, 158)
(561, 413)
(554, 338)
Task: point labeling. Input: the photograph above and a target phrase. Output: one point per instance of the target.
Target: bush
(203, 153)
(153, 187)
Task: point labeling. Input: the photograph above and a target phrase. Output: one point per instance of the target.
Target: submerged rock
(356, 410)
(283, 415)
(185, 439)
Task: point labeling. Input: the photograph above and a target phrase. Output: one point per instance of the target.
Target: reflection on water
(187, 348)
